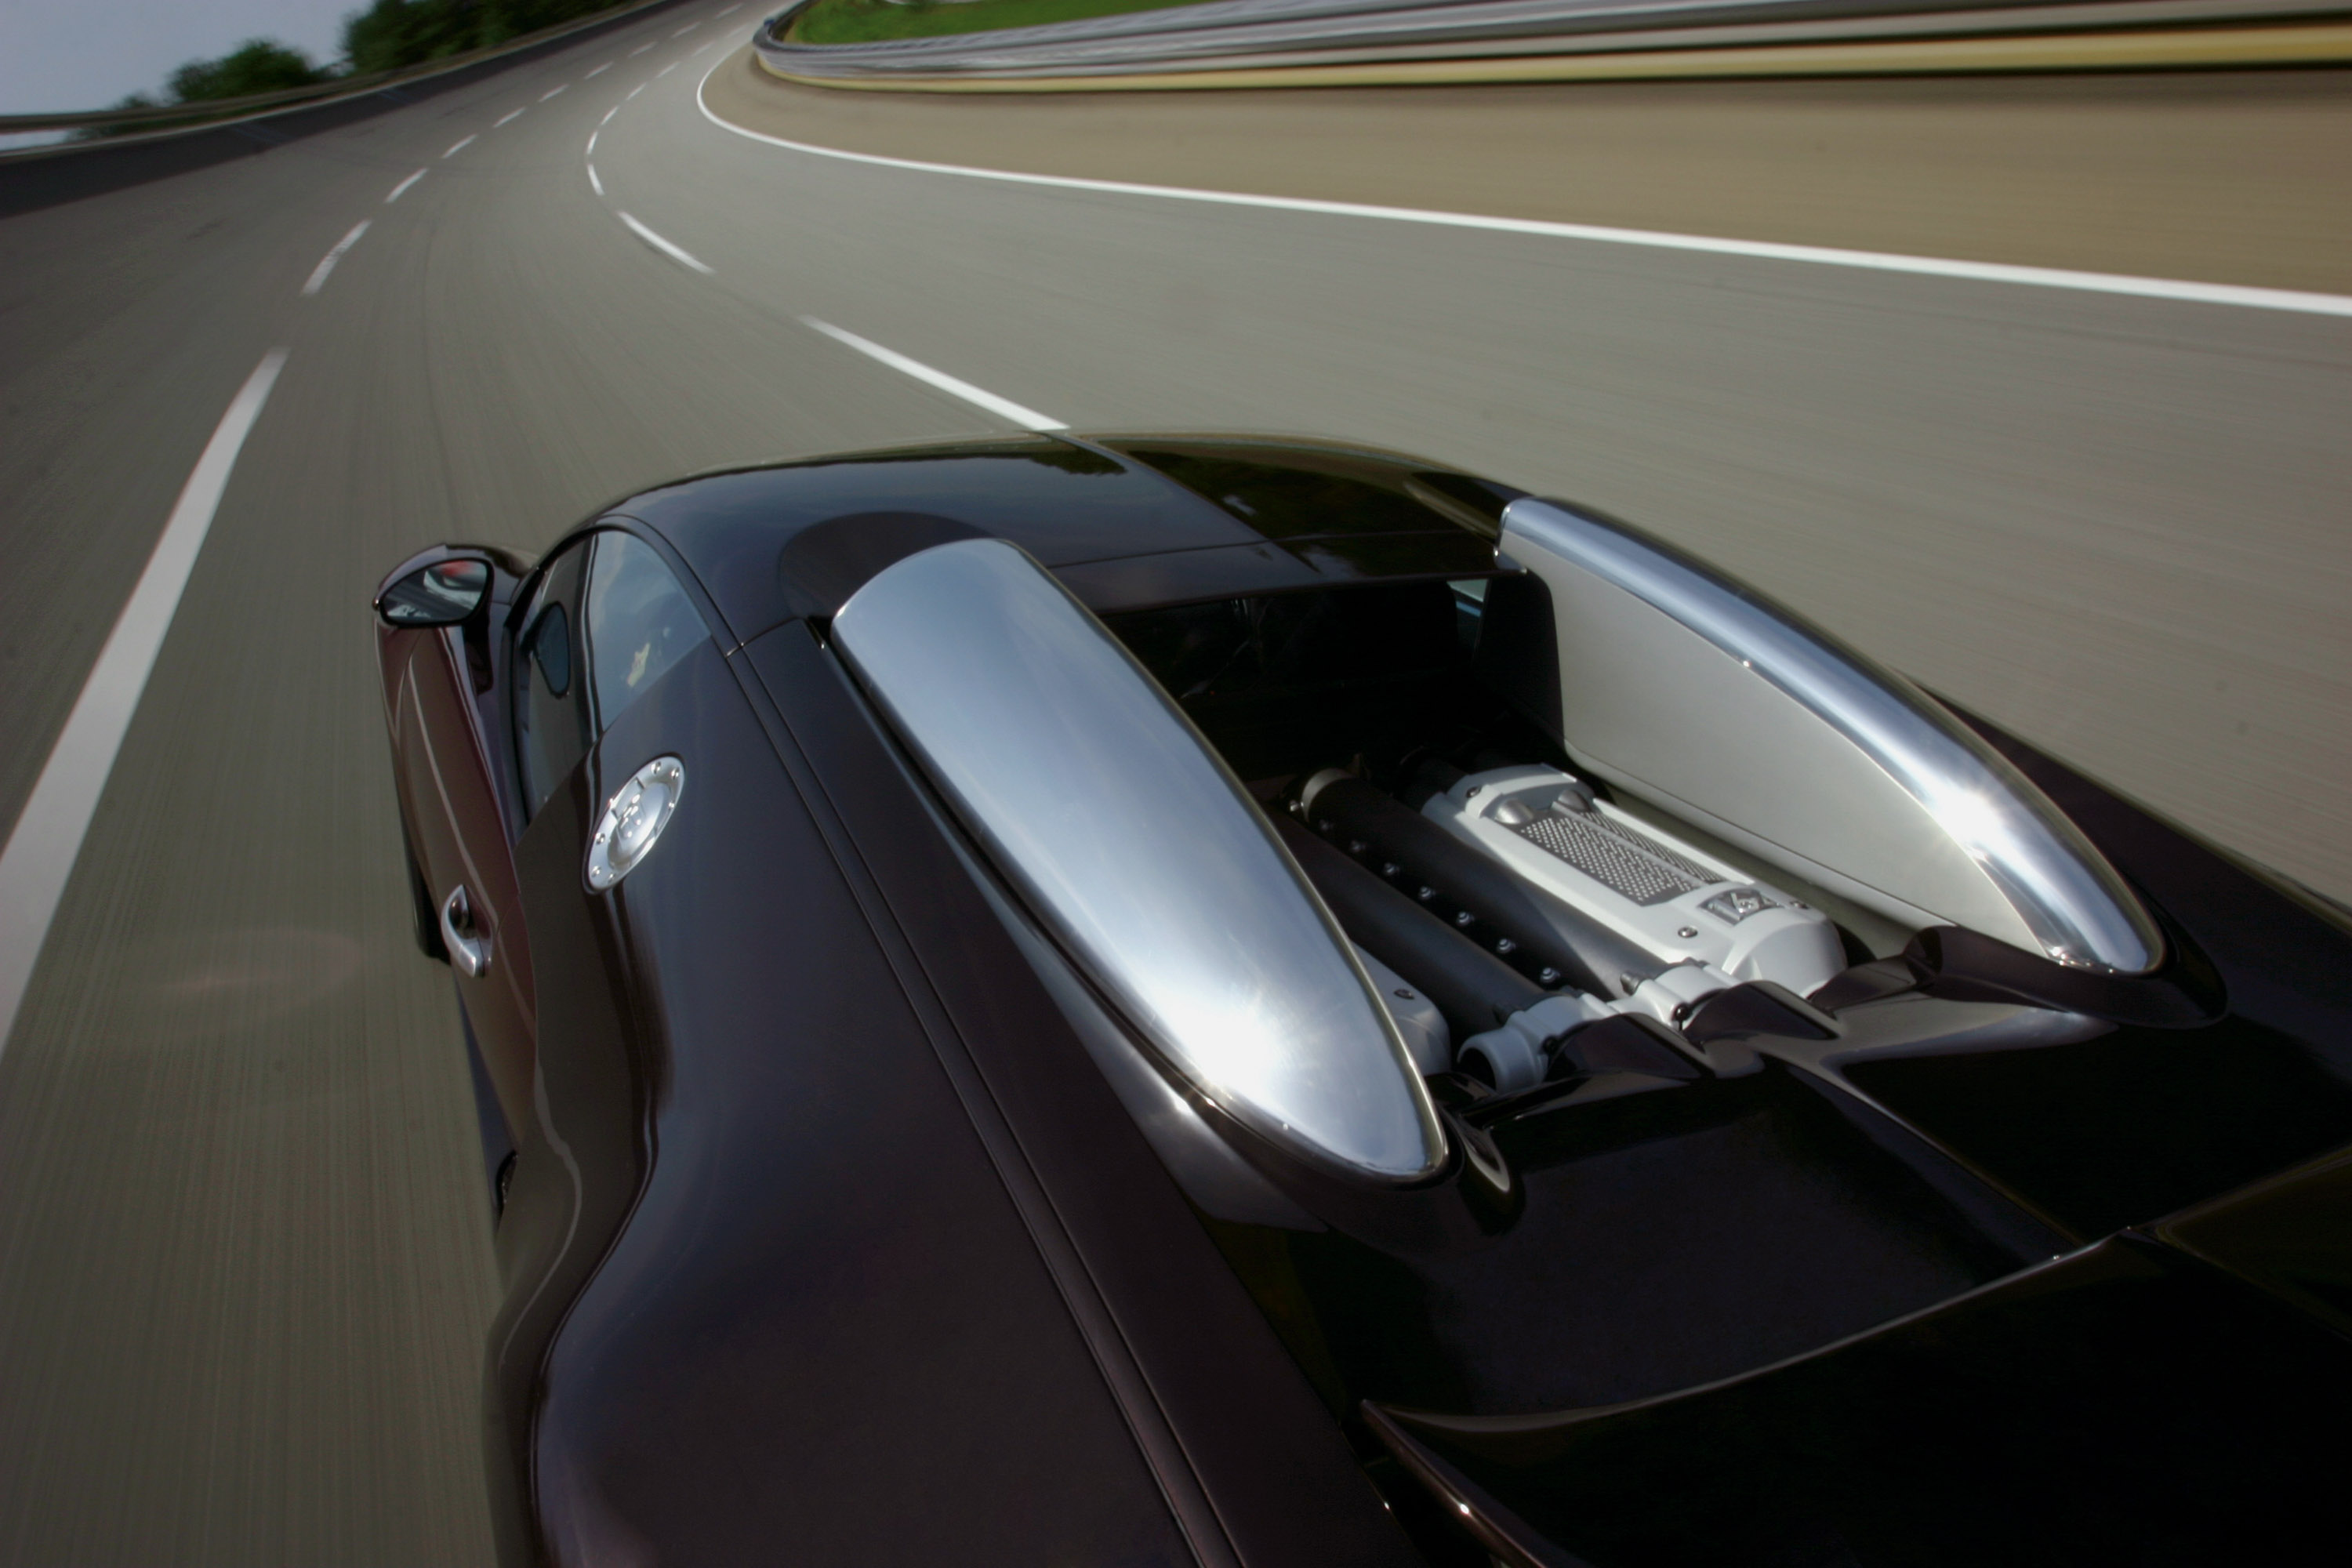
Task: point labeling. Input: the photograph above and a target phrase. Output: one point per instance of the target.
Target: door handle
(469, 950)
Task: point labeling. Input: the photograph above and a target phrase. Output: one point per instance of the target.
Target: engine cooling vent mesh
(1627, 862)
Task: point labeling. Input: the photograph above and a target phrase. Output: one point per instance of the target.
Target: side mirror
(441, 594)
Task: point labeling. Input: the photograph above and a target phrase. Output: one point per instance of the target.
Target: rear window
(1284, 683)
(1285, 641)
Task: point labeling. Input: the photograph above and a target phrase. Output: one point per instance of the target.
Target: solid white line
(600, 70)
(593, 182)
(664, 246)
(515, 114)
(1869, 260)
(608, 116)
(460, 147)
(550, 92)
(401, 189)
(1003, 408)
(327, 262)
(46, 840)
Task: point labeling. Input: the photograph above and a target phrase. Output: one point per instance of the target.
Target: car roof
(1125, 521)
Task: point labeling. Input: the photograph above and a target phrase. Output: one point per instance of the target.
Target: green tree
(257, 65)
(391, 34)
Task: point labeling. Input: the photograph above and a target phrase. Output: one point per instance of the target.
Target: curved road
(244, 1255)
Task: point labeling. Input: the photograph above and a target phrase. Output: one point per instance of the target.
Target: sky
(61, 54)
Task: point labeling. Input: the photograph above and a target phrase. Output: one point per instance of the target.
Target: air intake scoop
(1138, 850)
(1735, 714)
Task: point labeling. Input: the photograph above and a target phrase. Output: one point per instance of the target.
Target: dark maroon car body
(824, 1237)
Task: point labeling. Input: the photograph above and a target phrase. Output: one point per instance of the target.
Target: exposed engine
(1525, 875)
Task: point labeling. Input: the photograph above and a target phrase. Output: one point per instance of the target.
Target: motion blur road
(244, 1262)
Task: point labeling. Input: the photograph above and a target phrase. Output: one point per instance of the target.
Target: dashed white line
(1003, 408)
(635, 91)
(591, 142)
(1867, 260)
(401, 189)
(327, 262)
(666, 71)
(641, 48)
(460, 147)
(47, 836)
(608, 115)
(673, 252)
(700, 47)
(685, 30)
(729, 12)
(593, 182)
(513, 114)
(551, 92)
(600, 70)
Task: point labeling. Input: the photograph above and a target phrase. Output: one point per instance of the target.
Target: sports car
(1183, 999)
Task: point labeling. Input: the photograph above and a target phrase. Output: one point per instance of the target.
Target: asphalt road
(244, 1255)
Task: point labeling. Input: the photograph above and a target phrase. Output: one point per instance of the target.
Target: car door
(449, 708)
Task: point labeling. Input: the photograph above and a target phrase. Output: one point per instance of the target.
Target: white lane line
(460, 147)
(593, 182)
(513, 114)
(592, 143)
(401, 189)
(635, 91)
(327, 262)
(685, 30)
(700, 47)
(551, 92)
(641, 48)
(608, 116)
(666, 71)
(600, 70)
(1003, 408)
(664, 246)
(729, 12)
(46, 840)
(1868, 260)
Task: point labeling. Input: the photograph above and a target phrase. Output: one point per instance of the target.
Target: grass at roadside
(871, 21)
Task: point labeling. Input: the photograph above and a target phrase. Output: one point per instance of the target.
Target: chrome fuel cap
(632, 819)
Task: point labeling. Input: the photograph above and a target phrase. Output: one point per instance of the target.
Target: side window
(553, 724)
(639, 622)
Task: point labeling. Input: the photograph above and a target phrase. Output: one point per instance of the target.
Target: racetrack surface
(244, 1253)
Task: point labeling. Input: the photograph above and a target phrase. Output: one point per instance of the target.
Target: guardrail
(1254, 42)
(198, 136)
(204, 109)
